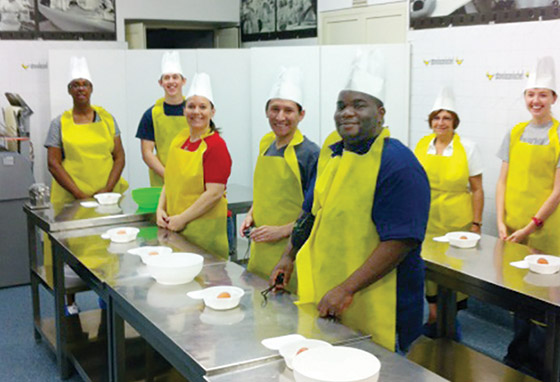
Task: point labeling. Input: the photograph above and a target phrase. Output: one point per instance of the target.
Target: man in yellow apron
(85, 152)
(361, 261)
(286, 164)
(161, 122)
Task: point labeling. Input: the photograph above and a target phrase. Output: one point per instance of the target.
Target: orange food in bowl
(121, 232)
(153, 253)
(542, 260)
(224, 295)
(302, 350)
(463, 238)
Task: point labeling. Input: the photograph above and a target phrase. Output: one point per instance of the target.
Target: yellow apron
(341, 240)
(184, 183)
(277, 201)
(530, 180)
(325, 153)
(451, 199)
(166, 127)
(88, 159)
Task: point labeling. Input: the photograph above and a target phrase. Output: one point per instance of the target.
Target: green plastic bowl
(146, 198)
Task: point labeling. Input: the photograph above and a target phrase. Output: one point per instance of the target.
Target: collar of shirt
(447, 152)
(338, 147)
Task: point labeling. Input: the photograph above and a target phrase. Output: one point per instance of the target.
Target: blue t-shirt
(146, 125)
(400, 211)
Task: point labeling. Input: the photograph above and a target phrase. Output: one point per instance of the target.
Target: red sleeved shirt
(216, 161)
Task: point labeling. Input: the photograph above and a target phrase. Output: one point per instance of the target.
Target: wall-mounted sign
(278, 19)
(57, 19)
(426, 14)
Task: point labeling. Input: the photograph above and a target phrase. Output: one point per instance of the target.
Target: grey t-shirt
(54, 136)
(533, 134)
(307, 154)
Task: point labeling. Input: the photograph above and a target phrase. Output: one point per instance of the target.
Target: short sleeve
(307, 154)
(54, 136)
(402, 198)
(474, 158)
(216, 161)
(503, 152)
(117, 129)
(308, 196)
(146, 126)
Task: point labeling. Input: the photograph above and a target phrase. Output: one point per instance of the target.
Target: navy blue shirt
(146, 125)
(400, 211)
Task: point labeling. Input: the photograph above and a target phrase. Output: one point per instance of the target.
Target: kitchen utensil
(107, 198)
(175, 268)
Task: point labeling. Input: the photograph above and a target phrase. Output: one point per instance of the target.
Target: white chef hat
(201, 86)
(447, 7)
(79, 69)
(171, 63)
(288, 85)
(445, 100)
(367, 74)
(543, 75)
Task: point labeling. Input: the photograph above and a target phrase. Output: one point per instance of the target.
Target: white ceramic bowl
(175, 268)
(121, 234)
(214, 296)
(149, 251)
(463, 239)
(336, 364)
(107, 198)
(553, 265)
(290, 350)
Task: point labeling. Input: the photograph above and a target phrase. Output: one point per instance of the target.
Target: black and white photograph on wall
(77, 16)
(17, 15)
(278, 19)
(426, 14)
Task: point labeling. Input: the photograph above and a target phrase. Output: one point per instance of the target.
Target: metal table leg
(116, 343)
(447, 310)
(552, 348)
(32, 253)
(60, 319)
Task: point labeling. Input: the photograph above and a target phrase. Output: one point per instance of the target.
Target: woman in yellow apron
(198, 165)
(528, 192)
(454, 168)
(85, 152)
(163, 121)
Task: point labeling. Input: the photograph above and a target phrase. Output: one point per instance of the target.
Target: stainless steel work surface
(488, 265)
(219, 340)
(394, 368)
(110, 262)
(75, 216)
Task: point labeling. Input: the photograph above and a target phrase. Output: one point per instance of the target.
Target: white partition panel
(265, 65)
(229, 70)
(107, 70)
(143, 70)
(335, 68)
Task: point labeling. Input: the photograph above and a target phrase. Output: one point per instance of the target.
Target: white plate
(212, 300)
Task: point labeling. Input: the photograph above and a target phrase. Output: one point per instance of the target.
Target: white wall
(24, 70)
(209, 11)
(487, 107)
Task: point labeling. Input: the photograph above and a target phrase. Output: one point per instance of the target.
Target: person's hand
(269, 233)
(103, 190)
(82, 195)
(176, 223)
(475, 228)
(518, 236)
(285, 266)
(334, 302)
(502, 231)
(162, 218)
(247, 222)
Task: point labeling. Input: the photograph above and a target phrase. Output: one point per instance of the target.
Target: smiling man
(361, 258)
(161, 122)
(285, 167)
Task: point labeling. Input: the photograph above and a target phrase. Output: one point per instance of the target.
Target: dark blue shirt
(146, 125)
(400, 211)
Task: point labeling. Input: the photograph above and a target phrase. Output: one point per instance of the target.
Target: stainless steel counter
(199, 341)
(394, 368)
(485, 272)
